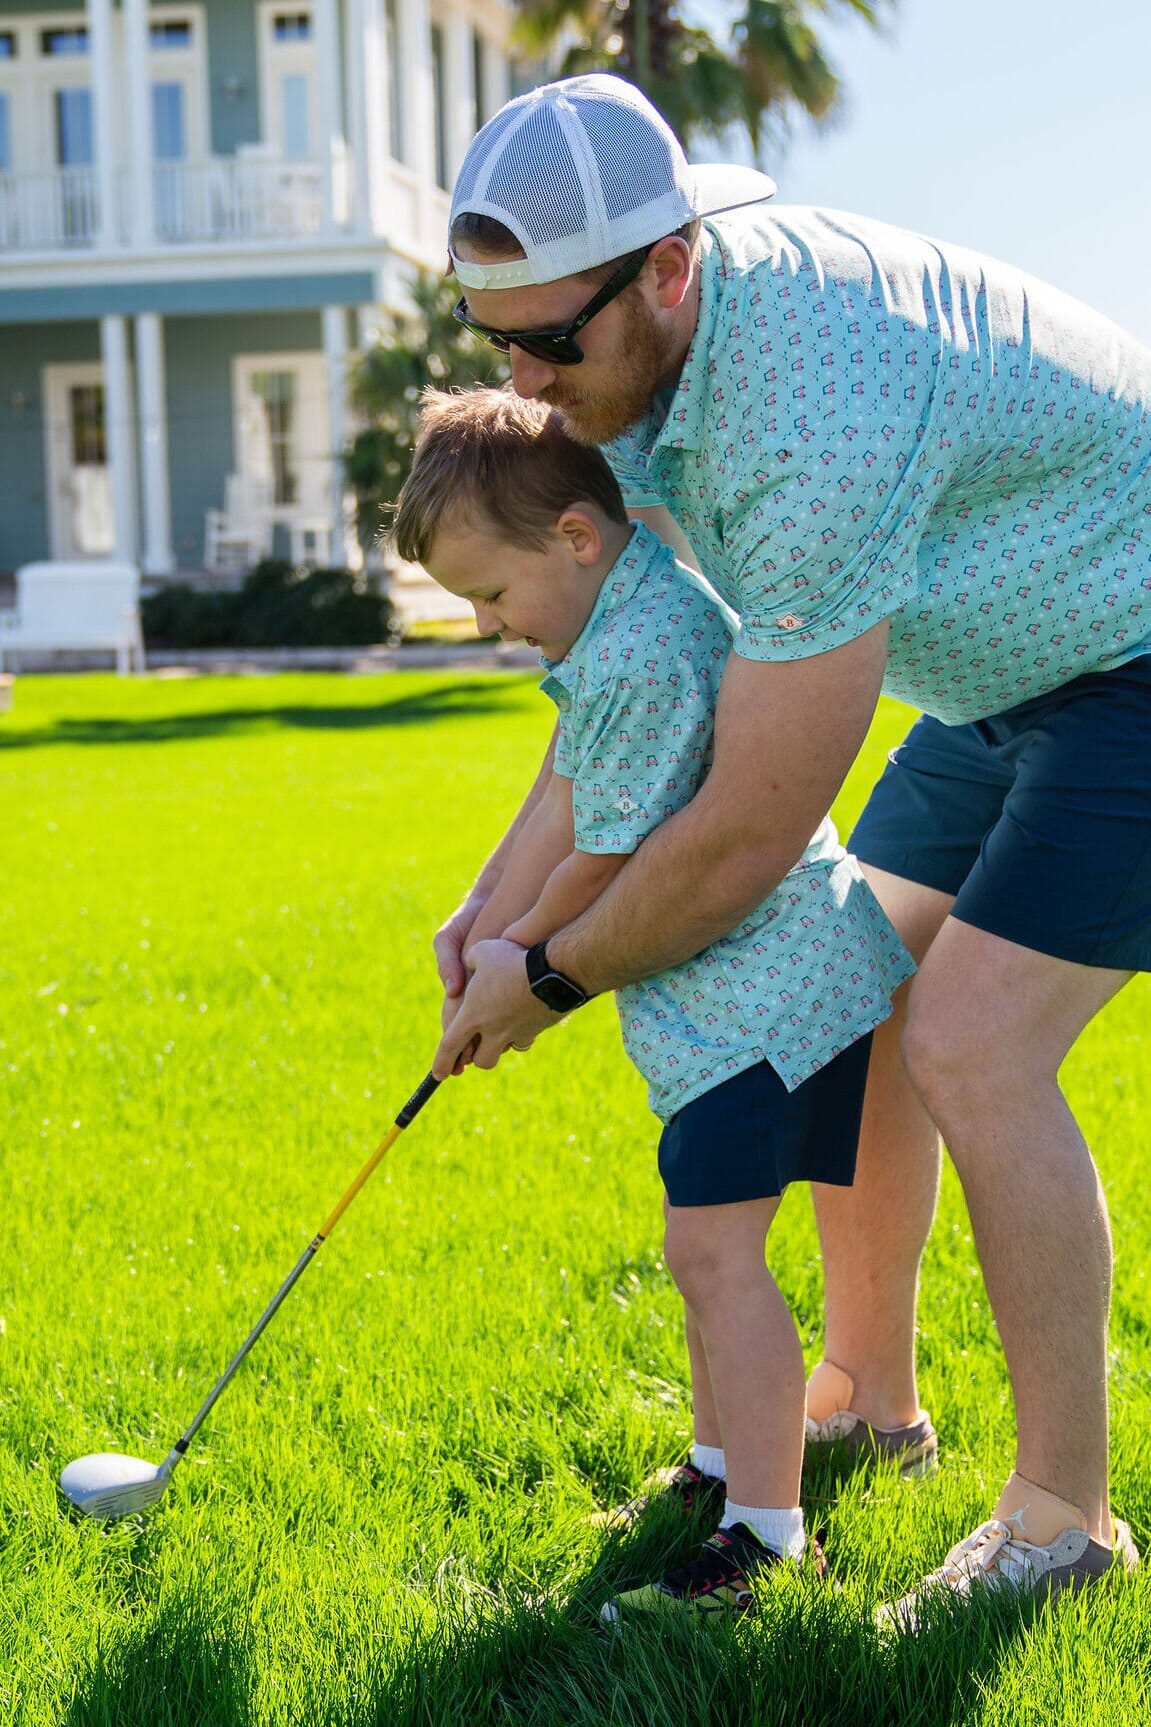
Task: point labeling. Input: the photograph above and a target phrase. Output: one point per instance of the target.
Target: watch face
(551, 987)
(557, 993)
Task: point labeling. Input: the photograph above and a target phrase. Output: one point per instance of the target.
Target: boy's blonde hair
(500, 461)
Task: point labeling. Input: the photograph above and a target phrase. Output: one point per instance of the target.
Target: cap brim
(726, 186)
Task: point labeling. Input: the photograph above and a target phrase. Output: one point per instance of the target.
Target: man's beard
(644, 359)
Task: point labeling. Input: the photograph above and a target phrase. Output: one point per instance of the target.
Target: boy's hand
(498, 1013)
(516, 931)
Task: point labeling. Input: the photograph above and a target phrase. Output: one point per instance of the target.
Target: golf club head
(109, 1485)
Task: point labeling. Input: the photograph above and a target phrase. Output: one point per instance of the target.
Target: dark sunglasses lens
(555, 350)
(491, 337)
(479, 331)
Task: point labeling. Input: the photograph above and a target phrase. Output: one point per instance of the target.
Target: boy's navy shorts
(1038, 821)
(750, 1136)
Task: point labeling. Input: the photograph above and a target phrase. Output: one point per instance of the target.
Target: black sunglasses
(557, 347)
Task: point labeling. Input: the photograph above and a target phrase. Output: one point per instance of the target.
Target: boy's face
(521, 593)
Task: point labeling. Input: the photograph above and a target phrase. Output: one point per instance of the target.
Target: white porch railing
(50, 211)
(236, 198)
(249, 196)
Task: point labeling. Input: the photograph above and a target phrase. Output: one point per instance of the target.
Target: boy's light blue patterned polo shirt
(813, 967)
(873, 425)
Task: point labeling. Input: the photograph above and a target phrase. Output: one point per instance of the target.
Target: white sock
(780, 1530)
(709, 1460)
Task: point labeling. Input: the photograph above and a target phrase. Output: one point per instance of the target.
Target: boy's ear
(582, 532)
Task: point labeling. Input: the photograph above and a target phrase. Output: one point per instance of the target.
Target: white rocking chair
(239, 535)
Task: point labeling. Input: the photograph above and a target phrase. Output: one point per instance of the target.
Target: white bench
(76, 606)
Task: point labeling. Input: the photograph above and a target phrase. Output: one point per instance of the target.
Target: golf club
(107, 1484)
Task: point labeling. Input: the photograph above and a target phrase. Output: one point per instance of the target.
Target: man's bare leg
(872, 1234)
(989, 1026)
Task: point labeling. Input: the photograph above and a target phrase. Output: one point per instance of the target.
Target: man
(910, 468)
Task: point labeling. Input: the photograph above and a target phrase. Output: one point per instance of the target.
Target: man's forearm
(677, 895)
(785, 739)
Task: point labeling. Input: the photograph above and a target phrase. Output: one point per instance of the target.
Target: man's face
(521, 594)
(628, 353)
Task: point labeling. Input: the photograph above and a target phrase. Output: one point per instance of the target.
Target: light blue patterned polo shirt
(870, 424)
(813, 967)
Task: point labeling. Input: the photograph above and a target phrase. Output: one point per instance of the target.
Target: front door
(282, 436)
(80, 518)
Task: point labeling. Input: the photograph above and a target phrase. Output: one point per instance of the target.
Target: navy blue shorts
(1038, 821)
(750, 1136)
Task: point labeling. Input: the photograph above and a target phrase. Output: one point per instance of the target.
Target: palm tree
(774, 68)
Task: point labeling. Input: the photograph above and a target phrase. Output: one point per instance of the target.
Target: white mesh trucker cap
(584, 171)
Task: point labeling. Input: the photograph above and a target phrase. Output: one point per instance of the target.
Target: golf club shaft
(408, 1114)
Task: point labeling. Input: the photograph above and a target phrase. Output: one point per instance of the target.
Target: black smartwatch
(562, 994)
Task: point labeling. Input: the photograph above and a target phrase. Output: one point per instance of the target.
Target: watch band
(562, 994)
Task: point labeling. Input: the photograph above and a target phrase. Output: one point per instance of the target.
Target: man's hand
(448, 945)
(498, 1012)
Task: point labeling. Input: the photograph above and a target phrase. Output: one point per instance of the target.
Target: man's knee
(952, 1059)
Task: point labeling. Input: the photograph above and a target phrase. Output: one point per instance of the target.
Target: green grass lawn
(215, 991)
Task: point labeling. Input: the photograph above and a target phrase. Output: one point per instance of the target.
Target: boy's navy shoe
(719, 1581)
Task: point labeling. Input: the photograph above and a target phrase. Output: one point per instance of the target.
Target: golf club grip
(417, 1100)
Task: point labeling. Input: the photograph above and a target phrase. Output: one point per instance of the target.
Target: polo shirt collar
(617, 589)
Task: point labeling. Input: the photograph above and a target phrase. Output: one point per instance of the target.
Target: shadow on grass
(489, 1658)
(441, 702)
(189, 1666)
(808, 1660)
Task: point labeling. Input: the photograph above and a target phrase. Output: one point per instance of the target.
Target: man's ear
(582, 533)
(670, 262)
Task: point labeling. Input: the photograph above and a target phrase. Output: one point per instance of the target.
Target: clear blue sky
(1019, 127)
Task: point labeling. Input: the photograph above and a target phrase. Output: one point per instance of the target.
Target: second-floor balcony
(224, 199)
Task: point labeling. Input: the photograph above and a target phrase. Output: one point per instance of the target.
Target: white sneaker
(993, 1559)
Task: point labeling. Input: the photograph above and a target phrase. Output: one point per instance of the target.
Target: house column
(335, 324)
(152, 418)
(329, 114)
(138, 98)
(118, 428)
(460, 117)
(104, 119)
(369, 326)
(415, 51)
(368, 113)
(497, 79)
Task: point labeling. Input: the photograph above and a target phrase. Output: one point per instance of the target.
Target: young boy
(756, 1050)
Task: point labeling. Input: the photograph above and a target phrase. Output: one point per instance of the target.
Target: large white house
(202, 209)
